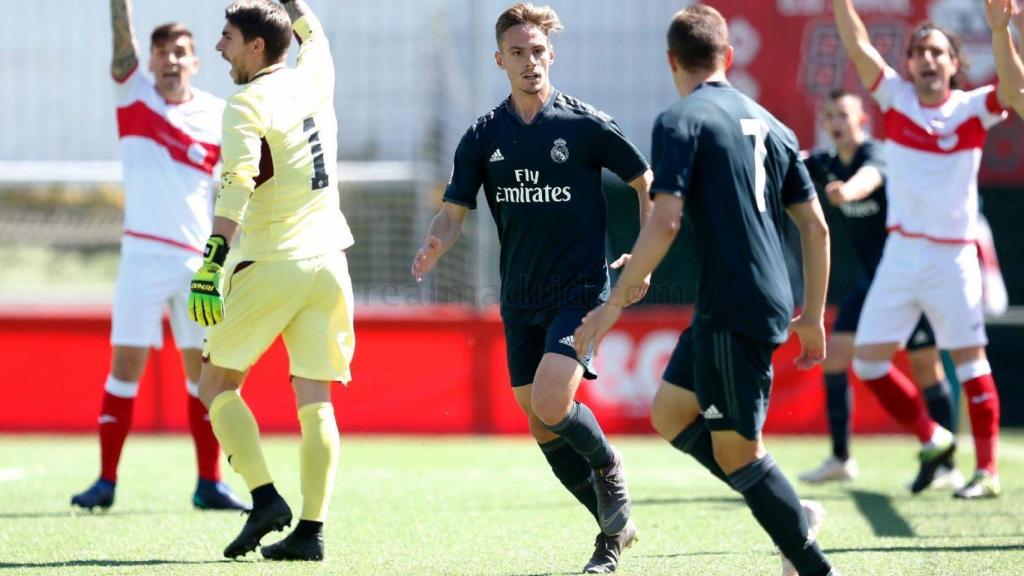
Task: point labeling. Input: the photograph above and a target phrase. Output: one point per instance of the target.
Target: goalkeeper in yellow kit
(288, 273)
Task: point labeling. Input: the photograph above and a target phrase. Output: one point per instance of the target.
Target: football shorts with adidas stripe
(730, 373)
(529, 335)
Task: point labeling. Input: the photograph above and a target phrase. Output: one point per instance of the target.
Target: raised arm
(1008, 63)
(865, 57)
(296, 9)
(126, 51)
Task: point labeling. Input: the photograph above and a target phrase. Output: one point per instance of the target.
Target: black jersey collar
(540, 113)
(713, 84)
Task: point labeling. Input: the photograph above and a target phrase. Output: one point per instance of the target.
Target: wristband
(216, 250)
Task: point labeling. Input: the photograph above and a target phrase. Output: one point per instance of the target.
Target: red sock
(207, 448)
(902, 400)
(983, 405)
(115, 421)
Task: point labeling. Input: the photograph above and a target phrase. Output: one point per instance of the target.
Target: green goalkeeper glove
(205, 301)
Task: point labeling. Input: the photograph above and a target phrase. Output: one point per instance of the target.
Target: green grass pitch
(490, 507)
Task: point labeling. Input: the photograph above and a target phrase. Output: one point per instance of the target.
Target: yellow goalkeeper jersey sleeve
(279, 179)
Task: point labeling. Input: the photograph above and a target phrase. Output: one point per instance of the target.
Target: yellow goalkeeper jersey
(279, 179)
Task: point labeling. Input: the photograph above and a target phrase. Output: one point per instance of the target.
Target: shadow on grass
(104, 563)
(973, 548)
(877, 508)
(87, 514)
(737, 500)
(701, 553)
(543, 574)
(690, 500)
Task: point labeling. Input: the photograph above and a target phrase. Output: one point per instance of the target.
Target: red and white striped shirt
(170, 151)
(933, 155)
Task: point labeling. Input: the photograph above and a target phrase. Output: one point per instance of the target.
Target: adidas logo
(712, 413)
(497, 157)
(107, 419)
(568, 341)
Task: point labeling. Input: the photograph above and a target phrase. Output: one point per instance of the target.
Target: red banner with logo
(416, 370)
(788, 56)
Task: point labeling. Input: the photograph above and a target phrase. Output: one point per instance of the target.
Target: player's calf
(613, 502)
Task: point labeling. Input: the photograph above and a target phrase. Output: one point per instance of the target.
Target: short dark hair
(836, 94)
(262, 19)
(955, 48)
(542, 17)
(698, 38)
(170, 32)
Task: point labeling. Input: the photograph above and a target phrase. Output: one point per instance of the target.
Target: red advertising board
(417, 370)
(788, 55)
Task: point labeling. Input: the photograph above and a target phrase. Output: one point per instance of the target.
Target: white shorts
(145, 284)
(916, 275)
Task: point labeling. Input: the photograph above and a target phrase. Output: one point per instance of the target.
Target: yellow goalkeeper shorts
(309, 302)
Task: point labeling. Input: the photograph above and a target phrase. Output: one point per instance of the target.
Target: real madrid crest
(560, 151)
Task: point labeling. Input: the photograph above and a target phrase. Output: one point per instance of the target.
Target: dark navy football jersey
(737, 168)
(542, 182)
(864, 218)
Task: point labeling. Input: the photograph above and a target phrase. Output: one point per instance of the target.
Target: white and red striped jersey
(170, 151)
(933, 155)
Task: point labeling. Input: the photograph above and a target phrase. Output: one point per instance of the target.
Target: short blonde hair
(520, 13)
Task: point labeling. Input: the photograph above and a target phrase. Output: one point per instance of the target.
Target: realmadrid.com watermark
(516, 295)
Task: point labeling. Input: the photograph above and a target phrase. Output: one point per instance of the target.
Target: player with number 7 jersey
(734, 171)
(288, 276)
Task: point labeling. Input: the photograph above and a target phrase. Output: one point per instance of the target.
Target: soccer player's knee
(128, 363)
(539, 431)
(733, 454)
(871, 370)
(213, 382)
(549, 409)
(666, 421)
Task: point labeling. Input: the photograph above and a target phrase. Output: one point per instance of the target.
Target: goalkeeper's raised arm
(296, 9)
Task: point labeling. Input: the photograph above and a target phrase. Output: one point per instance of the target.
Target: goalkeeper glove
(205, 301)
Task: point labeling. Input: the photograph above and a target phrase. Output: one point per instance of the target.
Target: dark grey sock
(581, 430)
(777, 509)
(940, 404)
(695, 440)
(309, 528)
(264, 495)
(839, 400)
(573, 471)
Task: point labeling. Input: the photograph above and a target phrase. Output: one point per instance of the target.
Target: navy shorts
(529, 336)
(849, 316)
(730, 373)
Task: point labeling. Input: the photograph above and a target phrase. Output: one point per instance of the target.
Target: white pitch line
(11, 474)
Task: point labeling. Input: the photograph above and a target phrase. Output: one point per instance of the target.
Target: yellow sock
(236, 429)
(318, 458)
